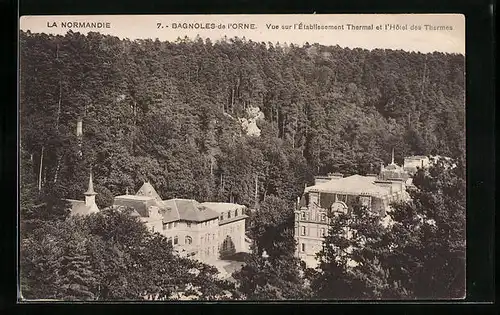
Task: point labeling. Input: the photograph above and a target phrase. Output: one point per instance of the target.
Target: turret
(90, 194)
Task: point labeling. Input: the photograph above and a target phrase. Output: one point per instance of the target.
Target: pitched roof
(139, 203)
(79, 207)
(90, 190)
(148, 190)
(187, 210)
(221, 207)
(355, 185)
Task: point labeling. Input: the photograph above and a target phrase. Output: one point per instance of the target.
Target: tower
(90, 195)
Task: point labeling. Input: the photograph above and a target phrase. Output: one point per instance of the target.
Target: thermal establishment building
(337, 193)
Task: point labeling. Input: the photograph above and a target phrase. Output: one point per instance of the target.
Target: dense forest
(168, 112)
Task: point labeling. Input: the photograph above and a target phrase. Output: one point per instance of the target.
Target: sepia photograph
(301, 157)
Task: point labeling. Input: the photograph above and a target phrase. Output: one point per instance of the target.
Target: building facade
(335, 193)
(231, 231)
(203, 231)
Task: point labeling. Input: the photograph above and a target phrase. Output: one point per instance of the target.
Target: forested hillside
(168, 112)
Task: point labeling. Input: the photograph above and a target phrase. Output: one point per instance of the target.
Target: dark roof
(187, 210)
(148, 190)
(138, 203)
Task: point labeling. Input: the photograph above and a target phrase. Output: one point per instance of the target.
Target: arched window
(188, 240)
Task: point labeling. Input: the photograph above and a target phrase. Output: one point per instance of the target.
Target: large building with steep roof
(335, 193)
(196, 230)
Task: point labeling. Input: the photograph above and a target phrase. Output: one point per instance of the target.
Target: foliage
(109, 256)
(168, 112)
(419, 255)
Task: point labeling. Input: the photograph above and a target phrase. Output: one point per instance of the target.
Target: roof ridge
(177, 209)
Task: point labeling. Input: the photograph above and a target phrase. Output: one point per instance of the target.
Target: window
(221, 218)
(303, 230)
(229, 214)
(302, 215)
(188, 224)
(176, 240)
(342, 198)
(169, 226)
(322, 232)
(303, 247)
(188, 240)
(175, 224)
(213, 237)
(164, 226)
(323, 217)
(169, 240)
(236, 212)
(153, 229)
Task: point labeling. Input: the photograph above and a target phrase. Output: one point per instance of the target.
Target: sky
(411, 35)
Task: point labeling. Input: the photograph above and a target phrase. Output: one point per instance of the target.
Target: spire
(90, 190)
(392, 160)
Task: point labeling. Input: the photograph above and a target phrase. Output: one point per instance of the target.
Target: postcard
(294, 157)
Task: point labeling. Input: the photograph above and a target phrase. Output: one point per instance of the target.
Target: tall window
(302, 215)
(303, 230)
(175, 224)
(176, 240)
(170, 225)
(236, 212)
(323, 217)
(221, 218)
(229, 214)
(303, 247)
(322, 232)
(188, 240)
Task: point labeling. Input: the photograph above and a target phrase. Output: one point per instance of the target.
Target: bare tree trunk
(256, 190)
(232, 99)
(40, 171)
(423, 81)
(57, 168)
(133, 129)
(59, 105)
